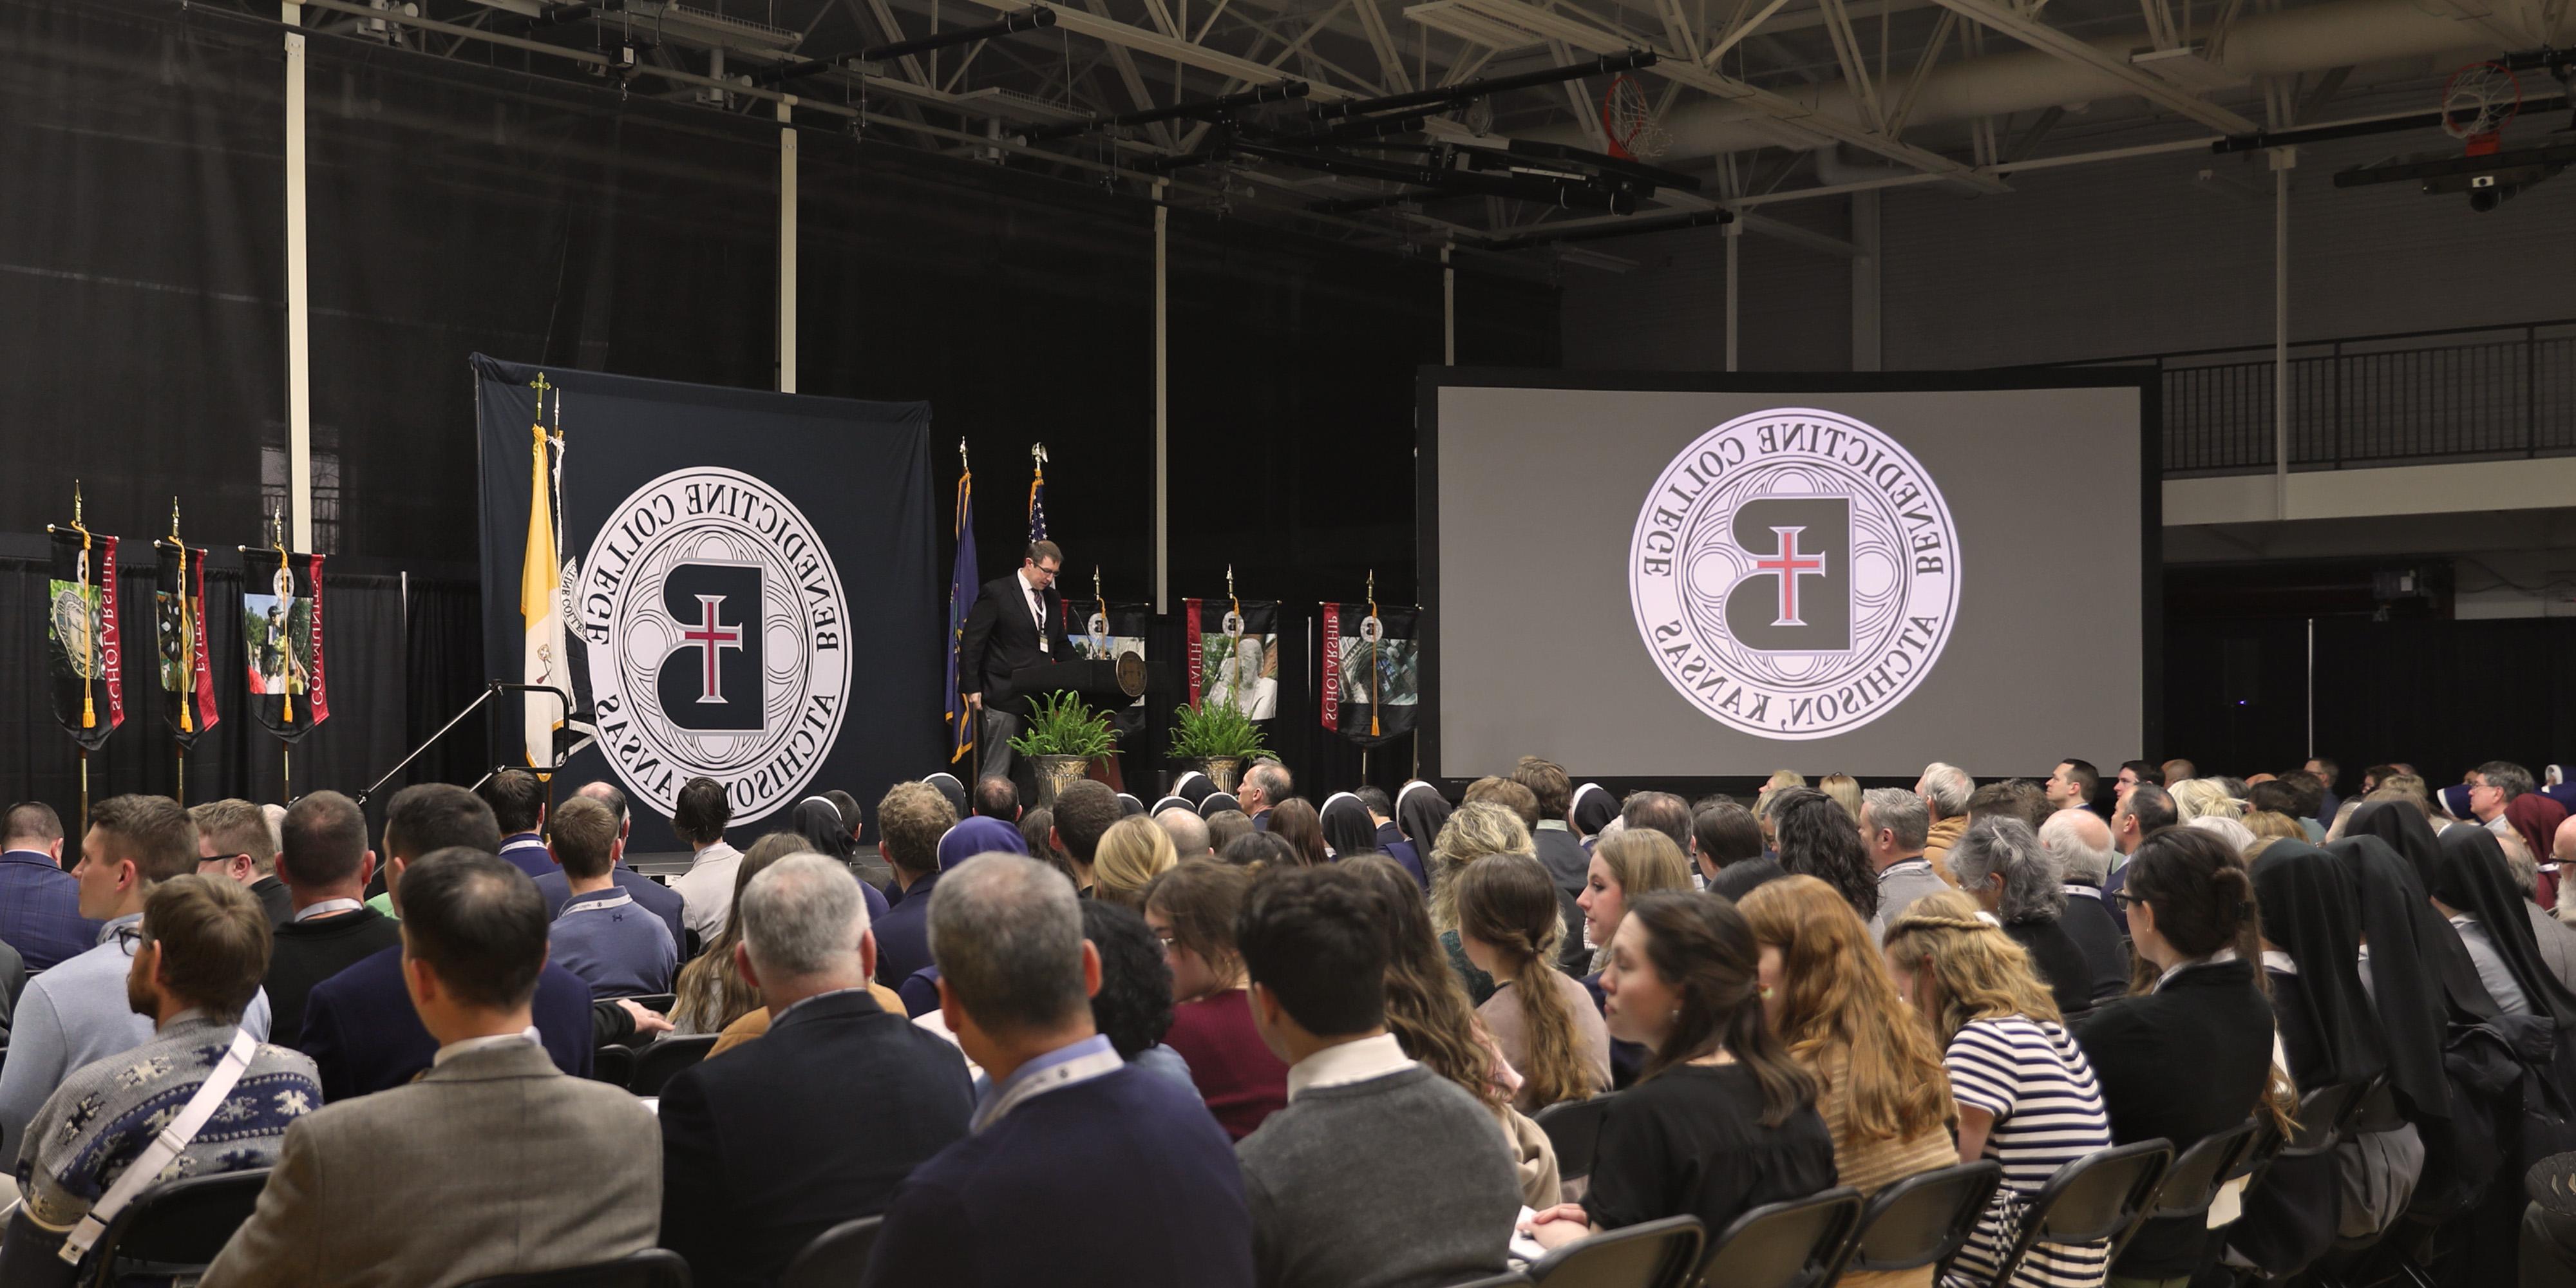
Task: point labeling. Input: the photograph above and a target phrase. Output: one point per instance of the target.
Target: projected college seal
(716, 632)
(1794, 573)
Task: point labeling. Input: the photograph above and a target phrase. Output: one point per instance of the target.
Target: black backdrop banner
(752, 583)
(1371, 671)
(85, 649)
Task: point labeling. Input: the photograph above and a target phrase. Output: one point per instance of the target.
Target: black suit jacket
(767, 1146)
(999, 638)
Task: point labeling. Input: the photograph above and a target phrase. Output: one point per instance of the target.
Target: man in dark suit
(1018, 622)
(796, 1153)
(359, 1025)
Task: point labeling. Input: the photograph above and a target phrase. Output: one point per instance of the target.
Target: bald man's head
(2562, 847)
(612, 796)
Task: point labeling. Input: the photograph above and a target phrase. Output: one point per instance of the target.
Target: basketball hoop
(1629, 121)
(2476, 103)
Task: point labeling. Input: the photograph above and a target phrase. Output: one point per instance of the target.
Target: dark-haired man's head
(205, 947)
(853, 819)
(995, 797)
(2012, 798)
(2132, 773)
(1659, 812)
(518, 800)
(698, 818)
(233, 840)
(1084, 812)
(35, 827)
(474, 940)
(2493, 785)
(2071, 785)
(614, 797)
(1724, 833)
(427, 817)
(1546, 780)
(583, 838)
(1314, 943)
(133, 844)
(2273, 795)
(1375, 801)
(2149, 808)
(323, 852)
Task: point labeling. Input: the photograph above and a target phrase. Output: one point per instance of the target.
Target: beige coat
(494, 1162)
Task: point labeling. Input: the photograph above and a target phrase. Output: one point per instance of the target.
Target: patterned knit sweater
(103, 1116)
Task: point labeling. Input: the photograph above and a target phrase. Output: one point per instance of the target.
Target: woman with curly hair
(1819, 839)
(1880, 1086)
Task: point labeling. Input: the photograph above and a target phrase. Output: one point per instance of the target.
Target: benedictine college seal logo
(717, 640)
(1794, 573)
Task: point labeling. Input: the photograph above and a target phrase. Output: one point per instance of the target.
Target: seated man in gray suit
(494, 1162)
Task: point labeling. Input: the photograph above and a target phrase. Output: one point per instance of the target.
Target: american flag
(1037, 494)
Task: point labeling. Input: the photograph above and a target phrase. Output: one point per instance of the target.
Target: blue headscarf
(979, 835)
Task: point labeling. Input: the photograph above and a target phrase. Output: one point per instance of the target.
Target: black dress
(2059, 961)
(2290, 1218)
(1690, 1141)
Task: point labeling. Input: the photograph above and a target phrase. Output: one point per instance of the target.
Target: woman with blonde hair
(1474, 830)
(2025, 1092)
(1879, 1083)
(1540, 1017)
(1637, 861)
(1844, 791)
(1133, 852)
(2204, 798)
(1768, 796)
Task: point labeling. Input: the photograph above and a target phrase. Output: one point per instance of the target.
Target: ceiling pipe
(2309, 39)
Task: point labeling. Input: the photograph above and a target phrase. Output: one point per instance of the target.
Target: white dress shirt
(1349, 1062)
(1037, 611)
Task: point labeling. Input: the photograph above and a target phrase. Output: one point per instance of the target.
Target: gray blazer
(492, 1163)
(2557, 944)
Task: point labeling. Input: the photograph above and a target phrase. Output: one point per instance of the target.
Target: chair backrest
(837, 1257)
(1574, 1130)
(2325, 1114)
(658, 1063)
(1796, 1244)
(658, 1003)
(1924, 1219)
(651, 1268)
(614, 1065)
(2098, 1198)
(1507, 1279)
(2191, 1184)
(177, 1223)
(1651, 1254)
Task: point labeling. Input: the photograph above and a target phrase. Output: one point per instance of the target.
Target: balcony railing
(2482, 393)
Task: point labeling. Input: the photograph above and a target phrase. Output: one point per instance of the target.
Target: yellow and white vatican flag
(539, 605)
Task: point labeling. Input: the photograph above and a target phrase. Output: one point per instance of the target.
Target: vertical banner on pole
(281, 606)
(1372, 665)
(1241, 663)
(179, 628)
(82, 644)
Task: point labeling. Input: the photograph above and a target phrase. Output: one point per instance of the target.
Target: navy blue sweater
(1123, 1181)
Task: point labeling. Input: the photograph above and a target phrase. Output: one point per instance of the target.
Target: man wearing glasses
(79, 1012)
(1017, 623)
(233, 842)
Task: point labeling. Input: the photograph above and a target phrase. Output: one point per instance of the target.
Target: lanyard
(620, 901)
(327, 907)
(1052, 1078)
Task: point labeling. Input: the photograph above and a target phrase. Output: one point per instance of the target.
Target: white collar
(462, 1046)
(2222, 955)
(2276, 960)
(1348, 1062)
(1025, 587)
(327, 907)
(2093, 893)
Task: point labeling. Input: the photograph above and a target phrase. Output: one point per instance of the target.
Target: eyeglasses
(130, 937)
(2126, 900)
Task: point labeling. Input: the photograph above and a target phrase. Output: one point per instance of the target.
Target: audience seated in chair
(706, 890)
(202, 946)
(602, 933)
(665, 902)
(816, 1123)
(1379, 1172)
(78, 1012)
(362, 1034)
(233, 842)
(40, 912)
(1541, 1018)
(910, 822)
(493, 1162)
(1192, 910)
(324, 862)
(1066, 1125)
(1723, 1121)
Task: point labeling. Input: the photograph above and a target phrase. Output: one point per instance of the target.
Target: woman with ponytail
(2025, 1094)
(2192, 921)
(1879, 1083)
(1723, 1120)
(1541, 1017)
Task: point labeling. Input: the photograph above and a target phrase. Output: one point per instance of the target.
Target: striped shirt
(2048, 1112)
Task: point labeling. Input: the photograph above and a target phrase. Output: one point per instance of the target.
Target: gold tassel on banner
(286, 618)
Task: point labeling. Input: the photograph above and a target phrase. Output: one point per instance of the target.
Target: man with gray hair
(1264, 785)
(1188, 832)
(2080, 842)
(1893, 823)
(1944, 790)
(1064, 1123)
(2001, 862)
(797, 1153)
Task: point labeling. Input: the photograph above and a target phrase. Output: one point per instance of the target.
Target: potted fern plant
(1215, 738)
(1063, 737)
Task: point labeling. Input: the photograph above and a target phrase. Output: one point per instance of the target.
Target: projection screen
(1703, 576)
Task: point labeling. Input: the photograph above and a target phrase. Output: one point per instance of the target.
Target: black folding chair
(1507, 1279)
(1796, 1244)
(2192, 1183)
(1922, 1220)
(614, 1065)
(1651, 1254)
(660, 1062)
(2098, 1198)
(1574, 1130)
(176, 1226)
(837, 1257)
(2326, 1116)
(657, 1003)
(651, 1268)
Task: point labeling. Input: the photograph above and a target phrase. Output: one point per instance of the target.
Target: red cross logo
(1788, 563)
(708, 636)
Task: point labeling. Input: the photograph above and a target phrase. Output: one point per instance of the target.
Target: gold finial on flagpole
(1096, 596)
(1229, 581)
(174, 519)
(539, 384)
(76, 509)
(1038, 454)
(961, 453)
